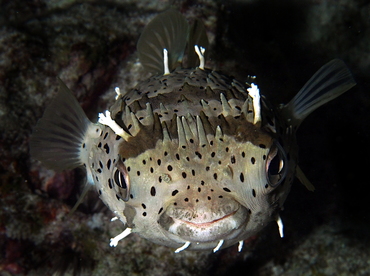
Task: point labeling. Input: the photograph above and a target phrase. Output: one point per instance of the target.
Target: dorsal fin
(329, 82)
(168, 30)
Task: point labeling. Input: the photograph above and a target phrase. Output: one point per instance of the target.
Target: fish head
(201, 190)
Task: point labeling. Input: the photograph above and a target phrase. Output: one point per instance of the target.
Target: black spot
(241, 177)
(152, 191)
(108, 164)
(159, 162)
(118, 197)
(118, 137)
(207, 168)
(144, 214)
(227, 149)
(144, 162)
(264, 157)
(232, 159)
(262, 146)
(266, 186)
(160, 210)
(226, 190)
(213, 154)
(128, 168)
(160, 179)
(169, 167)
(143, 205)
(220, 196)
(131, 196)
(254, 192)
(105, 135)
(99, 170)
(183, 174)
(83, 145)
(243, 154)
(165, 153)
(101, 165)
(177, 156)
(191, 141)
(215, 176)
(202, 182)
(253, 160)
(138, 173)
(199, 189)
(99, 192)
(174, 192)
(186, 199)
(198, 154)
(209, 198)
(110, 184)
(97, 179)
(99, 145)
(151, 170)
(193, 172)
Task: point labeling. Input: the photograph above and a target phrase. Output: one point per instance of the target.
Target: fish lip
(227, 227)
(208, 223)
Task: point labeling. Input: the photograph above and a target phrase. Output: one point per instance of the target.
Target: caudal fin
(329, 82)
(58, 136)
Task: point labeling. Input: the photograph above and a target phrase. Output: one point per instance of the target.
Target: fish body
(190, 158)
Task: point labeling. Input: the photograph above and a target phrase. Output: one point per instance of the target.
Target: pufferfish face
(201, 190)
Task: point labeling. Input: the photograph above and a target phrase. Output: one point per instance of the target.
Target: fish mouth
(205, 225)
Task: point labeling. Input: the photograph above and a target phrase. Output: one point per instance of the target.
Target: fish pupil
(120, 179)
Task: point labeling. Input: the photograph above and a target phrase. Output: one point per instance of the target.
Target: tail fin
(59, 134)
(329, 82)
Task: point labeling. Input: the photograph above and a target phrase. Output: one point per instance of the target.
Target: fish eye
(276, 165)
(122, 181)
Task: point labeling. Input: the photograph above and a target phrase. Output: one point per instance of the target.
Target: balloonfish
(190, 158)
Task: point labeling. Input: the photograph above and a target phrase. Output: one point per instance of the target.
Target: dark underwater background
(90, 45)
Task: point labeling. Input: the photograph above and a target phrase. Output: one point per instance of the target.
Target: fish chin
(206, 227)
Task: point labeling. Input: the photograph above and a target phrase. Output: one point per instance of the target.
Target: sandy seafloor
(91, 46)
